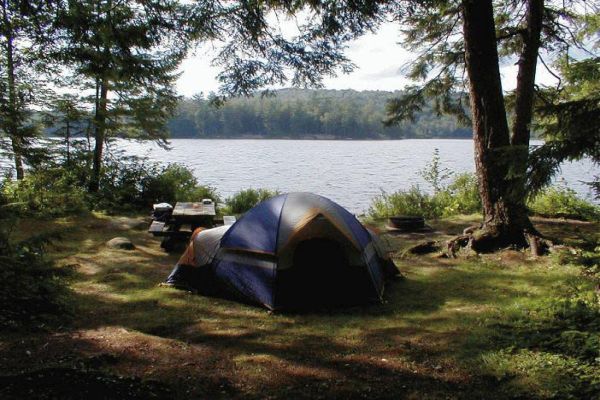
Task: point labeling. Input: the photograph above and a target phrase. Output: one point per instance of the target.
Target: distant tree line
(305, 113)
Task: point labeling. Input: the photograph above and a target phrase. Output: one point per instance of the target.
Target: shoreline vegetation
(315, 137)
(291, 113)
(303, 114)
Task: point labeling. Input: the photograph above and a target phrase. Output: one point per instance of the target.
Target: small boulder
(120, 243)
(424, 248)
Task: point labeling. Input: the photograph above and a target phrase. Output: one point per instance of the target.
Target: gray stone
(122, 243)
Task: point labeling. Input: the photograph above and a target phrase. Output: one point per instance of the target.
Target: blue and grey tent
(292, 251)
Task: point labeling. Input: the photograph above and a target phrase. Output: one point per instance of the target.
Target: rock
(122, 243)
(424, 248)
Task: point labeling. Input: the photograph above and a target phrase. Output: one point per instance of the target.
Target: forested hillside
(303, 113)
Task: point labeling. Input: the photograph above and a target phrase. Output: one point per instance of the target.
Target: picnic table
(176, 226)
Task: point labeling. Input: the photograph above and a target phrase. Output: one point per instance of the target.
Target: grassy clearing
(451, 329)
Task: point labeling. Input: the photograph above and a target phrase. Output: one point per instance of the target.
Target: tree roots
(481, 239)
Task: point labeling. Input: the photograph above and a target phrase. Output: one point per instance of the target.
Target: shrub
(464, 195)
(410, 202)
(127, 184)
(588, 261)
(459, 197)
(176, 182)
(50, 192)
(33, 291)
(563, 202)
(245, 199)
(139, 184)
(134, 183)
(434, 173)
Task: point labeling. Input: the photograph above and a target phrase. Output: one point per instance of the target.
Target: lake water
(348, 172)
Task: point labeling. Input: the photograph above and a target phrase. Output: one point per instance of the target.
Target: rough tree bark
(526, 75)
(99, 135)
(12, 122)
(521, 129)
(505, 216)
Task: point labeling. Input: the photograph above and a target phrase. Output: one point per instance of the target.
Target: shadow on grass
(214, 348)
(228, 351)
(398, 349)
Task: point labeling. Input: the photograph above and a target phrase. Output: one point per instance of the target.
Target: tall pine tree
(127, 54)
(461, 45)
(26, 40)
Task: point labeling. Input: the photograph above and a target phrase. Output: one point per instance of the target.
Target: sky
(378, 57)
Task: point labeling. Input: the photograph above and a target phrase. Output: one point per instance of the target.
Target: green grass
(467, 328)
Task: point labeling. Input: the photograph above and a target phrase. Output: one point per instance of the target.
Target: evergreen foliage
(26, 41)
(463, 43)
(565, 119)
(128, 54)
(302, 113)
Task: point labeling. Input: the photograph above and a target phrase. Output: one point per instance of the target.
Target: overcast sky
(378, 57)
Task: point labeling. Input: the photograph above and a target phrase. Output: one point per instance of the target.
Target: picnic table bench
(185, 215)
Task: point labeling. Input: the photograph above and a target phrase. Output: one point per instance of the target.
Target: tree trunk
(505, 219)
(525, 91)
(68, 141)
(99, 137)
(526, 75)
(12, 122)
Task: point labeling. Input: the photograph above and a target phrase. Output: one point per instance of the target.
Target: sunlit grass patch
(546, 375)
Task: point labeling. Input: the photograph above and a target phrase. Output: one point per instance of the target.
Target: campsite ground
(474, 327)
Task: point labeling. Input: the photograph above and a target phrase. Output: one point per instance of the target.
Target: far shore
(307, 137)
(317, 137)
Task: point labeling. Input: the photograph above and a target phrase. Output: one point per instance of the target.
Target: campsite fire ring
(407, 223)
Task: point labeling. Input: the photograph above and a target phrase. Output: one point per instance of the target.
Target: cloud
(380, 62)
(388, 72)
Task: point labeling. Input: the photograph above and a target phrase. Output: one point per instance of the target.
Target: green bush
(562, 202)
(464, 195)
(459, 197)
(126, 184)
(135, 184)
(176, 182)
(435, 174)
(245, 199)
(410, 202)
(50, 192)
(33, 291)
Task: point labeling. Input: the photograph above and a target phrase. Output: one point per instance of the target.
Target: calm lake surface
(348, 172)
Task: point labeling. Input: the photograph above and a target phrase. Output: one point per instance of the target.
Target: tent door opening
(320, 275)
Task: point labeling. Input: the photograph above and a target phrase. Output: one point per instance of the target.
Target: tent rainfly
(293, 251)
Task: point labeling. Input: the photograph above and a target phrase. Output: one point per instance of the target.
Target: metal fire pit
(407, 223)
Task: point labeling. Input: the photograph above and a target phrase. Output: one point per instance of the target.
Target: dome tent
(294, 250)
